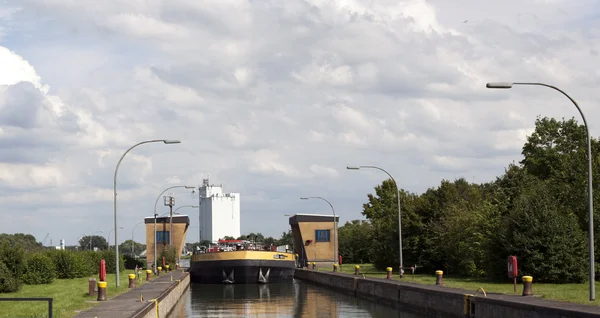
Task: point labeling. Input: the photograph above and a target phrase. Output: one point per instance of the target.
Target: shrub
(39, 270)
(109, 259)
(69, 264)
(131, 263)
(91, 261)
(14, 258)
(8, 282)
(170, 255)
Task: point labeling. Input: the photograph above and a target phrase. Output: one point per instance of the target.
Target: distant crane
(45, 238)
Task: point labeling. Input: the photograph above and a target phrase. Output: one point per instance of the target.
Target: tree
(287, 238)
(138, 248)
(382, 212)
(27, 241)
(545, 236)
(93, 241)
(355, 242)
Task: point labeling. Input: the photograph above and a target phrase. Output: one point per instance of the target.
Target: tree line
(536, 210)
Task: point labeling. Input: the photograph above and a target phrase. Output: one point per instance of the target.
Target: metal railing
(49, 300)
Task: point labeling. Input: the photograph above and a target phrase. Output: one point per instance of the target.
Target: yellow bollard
(166, 268)
(356, 270)
(131, 281)
(148, 275)
(438, 277)
(335, 267)
(159, 269)
(389, 273)
(102, 291)
(527, 282)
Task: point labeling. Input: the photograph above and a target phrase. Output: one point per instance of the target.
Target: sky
(272, 99)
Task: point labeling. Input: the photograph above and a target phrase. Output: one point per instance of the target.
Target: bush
(39, 270)
(109, 258)
(131, 263)
(91, 261)
(8, 282)
(14, 259)
(69, 264)
(170, 255)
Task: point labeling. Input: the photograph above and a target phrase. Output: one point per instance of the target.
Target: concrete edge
(372, 288)
(151, 306)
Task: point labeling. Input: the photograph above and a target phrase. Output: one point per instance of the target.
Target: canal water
(292, 299)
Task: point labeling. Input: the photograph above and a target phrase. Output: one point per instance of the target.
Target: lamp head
(502, 85)
(353, 167)
(304, 198)
(168, 141)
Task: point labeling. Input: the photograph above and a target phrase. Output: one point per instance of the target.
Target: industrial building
(219, 213)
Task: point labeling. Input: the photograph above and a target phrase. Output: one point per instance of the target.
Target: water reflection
(293, 299)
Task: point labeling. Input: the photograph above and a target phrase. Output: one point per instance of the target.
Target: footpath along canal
(155, 298)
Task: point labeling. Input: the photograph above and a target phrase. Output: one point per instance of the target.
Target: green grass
(577, 293)
(70, 297)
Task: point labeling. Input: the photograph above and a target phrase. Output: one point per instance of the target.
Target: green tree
(545, 236)
(97, 241)
(138, 248)
(356, 242)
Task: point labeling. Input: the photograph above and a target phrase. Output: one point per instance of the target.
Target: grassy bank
(70, 297)
(578, 293)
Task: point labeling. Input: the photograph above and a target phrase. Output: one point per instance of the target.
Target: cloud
(272, 99)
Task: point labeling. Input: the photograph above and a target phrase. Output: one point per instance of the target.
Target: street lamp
(166, 141)
(336, 258)
(185, 206)
(155, 215)
(399, 211)
(132, 242)
(108, 237)
(590, 191)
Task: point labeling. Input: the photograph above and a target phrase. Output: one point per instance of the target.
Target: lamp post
(108, 237)
(186, 206)
(399, 210)
(335, 256)
(166, 141)
(590, 189)
(155, 215)
(132, 242)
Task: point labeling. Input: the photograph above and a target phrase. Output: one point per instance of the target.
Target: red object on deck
(163, 262)
(273, 248)
(340, 261)
(102, 270)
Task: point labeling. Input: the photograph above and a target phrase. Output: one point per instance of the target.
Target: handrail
(49, 300)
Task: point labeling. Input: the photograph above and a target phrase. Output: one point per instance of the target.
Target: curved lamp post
(590, 191)
(399, 211)
(166, 141)
(335, 256)
(132, 242)
(155, 215)
(108, 237)
(186, 206)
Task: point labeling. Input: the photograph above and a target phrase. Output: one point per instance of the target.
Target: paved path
(128, 303)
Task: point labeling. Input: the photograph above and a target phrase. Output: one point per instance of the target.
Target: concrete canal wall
(439, 301)
(160, 294)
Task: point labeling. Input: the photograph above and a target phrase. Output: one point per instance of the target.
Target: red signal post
(513, 269)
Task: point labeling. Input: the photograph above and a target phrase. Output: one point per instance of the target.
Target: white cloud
(272, 98)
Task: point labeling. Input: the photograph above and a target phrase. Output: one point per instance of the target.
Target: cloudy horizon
(272, 99)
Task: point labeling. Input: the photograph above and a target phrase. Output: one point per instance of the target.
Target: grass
(70, 297)
(577, 293)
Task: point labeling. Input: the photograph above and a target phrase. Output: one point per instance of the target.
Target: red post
(163, 261)
(102, 270)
